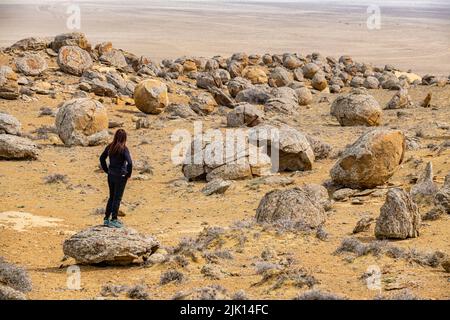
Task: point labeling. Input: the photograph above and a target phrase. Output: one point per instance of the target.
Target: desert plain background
(413, 35)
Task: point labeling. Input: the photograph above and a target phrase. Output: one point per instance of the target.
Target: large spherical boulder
(319, 82)
(296, 205)
(151, 96)
(255, 74)
(115, 246)
(31, 64)
(79, 121)
(280, 77)
(371, 160)
(309, 70)
(74, 60)
(304, 96)
(357, 108)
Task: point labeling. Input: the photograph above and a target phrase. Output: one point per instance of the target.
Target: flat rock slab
(113, 246)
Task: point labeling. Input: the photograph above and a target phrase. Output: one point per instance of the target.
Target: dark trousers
(116, 188)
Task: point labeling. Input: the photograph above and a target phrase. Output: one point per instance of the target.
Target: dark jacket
(119, 164)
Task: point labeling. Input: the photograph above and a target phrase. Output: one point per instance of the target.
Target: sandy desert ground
(170, 208)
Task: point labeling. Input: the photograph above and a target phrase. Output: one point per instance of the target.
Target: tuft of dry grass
(172, 276)
(56, 178)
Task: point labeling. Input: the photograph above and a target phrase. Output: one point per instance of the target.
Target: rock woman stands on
(119, 170)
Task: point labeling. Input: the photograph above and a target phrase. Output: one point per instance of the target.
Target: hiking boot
(115, 224)
(106, 222)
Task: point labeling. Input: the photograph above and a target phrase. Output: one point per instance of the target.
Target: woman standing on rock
(119, 170)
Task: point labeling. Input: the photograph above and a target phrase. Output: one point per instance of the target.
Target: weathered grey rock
(281, 106)
(98, 138)
(288, 148)
(343, 194)
(371, 160)
(203, 103)
(356, 108)
(400, 100)
(114, 58)
(71, 39)
(280, 77)
(346, 60)
(371, 83)
(14, 147)
(291, 62)
(116, 246)
(304, 96)
(285, 93)
(235, 68)
(425, 188)
(318, 194)
(295, 205)
(9, 89)
(321, 149)
(181, 110)
(14, 281)
(253, 95)
(31, 44)
(212, 160)
(8, 293)
(31, 64)
(124, 87)
(309, 70)
(78, 119)
(222, 98)
(245, 115)
(238, 84)
(206, 80)
(319, 82)
(442, 197)
(74, 60)
(363, 224)
(151, 96)
(357, 82)
(217, 186)
(399, 217)
(9, 124)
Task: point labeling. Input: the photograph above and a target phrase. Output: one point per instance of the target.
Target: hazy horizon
(412, 35)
